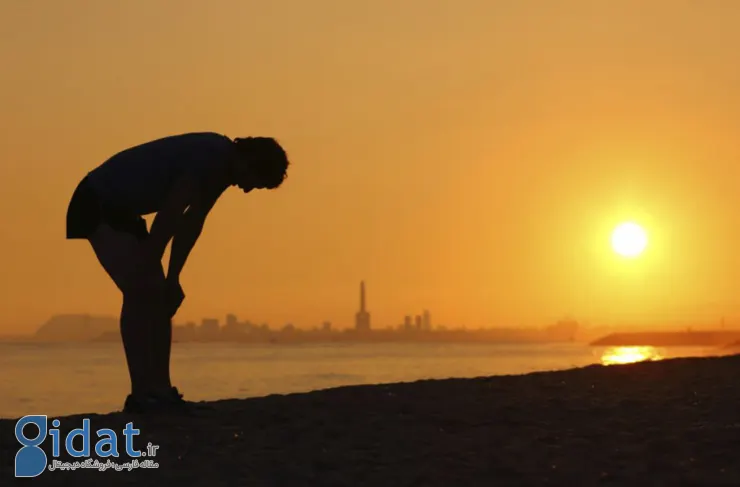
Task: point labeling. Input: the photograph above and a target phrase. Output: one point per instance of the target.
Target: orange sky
(469, 157)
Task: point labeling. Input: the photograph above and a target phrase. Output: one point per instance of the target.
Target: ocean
(71, 378)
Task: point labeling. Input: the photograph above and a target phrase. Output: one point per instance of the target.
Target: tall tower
(417, 322)
(426, 320)
(362, 318)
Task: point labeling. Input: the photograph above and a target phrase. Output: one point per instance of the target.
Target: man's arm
(170, 217)
(187, 234)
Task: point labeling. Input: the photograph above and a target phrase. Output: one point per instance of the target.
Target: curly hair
(267, 157)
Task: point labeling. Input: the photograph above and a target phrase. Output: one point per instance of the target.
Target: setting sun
(629, 239)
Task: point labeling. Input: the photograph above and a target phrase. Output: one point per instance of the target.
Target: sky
(467, 157)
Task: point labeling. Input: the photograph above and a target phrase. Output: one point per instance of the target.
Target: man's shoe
(155, 403)
(142, 404)
(177, 398)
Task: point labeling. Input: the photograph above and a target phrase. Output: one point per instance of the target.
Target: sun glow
(629, 355)
(629, 239)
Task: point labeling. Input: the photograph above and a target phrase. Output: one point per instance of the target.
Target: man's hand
(174, 297)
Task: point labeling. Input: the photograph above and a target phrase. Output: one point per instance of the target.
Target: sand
(668, 423)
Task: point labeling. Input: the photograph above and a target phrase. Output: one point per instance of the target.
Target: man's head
(262, 164)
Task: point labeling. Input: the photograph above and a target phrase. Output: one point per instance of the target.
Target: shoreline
(672, 421)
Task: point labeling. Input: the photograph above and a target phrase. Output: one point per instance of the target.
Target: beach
(671, 422)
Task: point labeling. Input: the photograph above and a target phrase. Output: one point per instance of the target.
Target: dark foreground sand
(669, 423)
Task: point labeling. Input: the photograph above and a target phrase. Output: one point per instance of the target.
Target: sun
(629, 239)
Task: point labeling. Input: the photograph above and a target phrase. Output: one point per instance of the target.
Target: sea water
(71, 378)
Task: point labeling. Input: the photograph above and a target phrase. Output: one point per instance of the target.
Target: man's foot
(170, 401)
(177, 399)
(144, 404)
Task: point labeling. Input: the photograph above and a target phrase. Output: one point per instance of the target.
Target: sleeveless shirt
(139, 179)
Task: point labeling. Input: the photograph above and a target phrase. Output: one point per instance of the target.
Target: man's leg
(162, 349)
(139, 322)
(143, 310)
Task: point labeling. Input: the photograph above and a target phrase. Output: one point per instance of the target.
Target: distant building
(565, 329)
(362, 318)
(185, 333)
(209, 328)
(426, 320)
(407, 322)
(326, 326)
(233, 327)
(417, 322)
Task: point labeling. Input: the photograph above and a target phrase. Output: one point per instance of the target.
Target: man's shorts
(87, 211)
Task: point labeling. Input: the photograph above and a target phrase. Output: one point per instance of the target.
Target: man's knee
(145, 290)
(118, 253)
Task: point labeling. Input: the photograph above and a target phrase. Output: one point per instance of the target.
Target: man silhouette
(179, 178)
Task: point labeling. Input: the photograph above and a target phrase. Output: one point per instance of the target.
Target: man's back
(138, 179)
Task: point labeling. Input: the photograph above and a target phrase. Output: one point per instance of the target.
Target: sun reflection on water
(630, 355)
